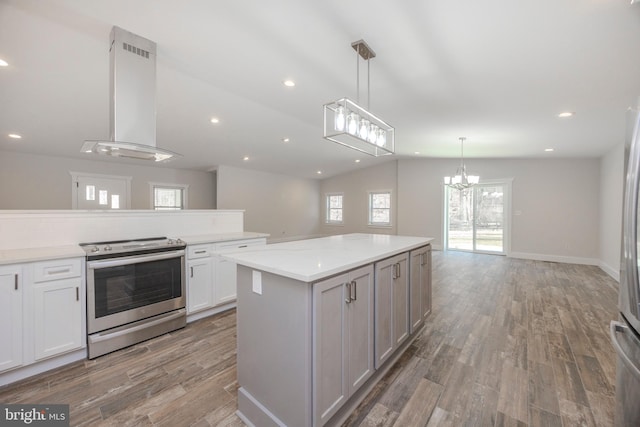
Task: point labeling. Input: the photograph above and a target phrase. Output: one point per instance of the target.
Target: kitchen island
(321, 320)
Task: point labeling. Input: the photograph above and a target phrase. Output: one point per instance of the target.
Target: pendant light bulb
(340, 118)
(352, 123)
(364, 129)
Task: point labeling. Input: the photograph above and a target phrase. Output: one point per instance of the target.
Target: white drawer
(199, 251)
(235, 244)
(57, 269)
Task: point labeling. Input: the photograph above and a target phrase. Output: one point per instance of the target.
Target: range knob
(95, 249)
(179, 242)
(170, 242)
(107, 248)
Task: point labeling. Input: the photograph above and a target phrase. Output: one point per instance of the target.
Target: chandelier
(461, 180)
(351, 125)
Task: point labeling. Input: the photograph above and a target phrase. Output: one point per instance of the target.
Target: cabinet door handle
(77, 293)
(243, 246)
(348, 298)
(354, 286)
(15, 281)
(191, 269)
(200, 252)
(396, 270)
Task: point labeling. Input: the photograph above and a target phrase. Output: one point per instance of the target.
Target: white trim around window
(334, 209)
(159, 185)
(380, 209)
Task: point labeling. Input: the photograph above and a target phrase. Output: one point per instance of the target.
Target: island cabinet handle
(354, 286)
(396, 270)
(422, 258)
(77, 293)
(191, 268)
(15, 281)
(243, 246)
(348, 298)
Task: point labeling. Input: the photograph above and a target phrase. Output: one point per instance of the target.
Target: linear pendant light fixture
(351, 125)
(461, 180)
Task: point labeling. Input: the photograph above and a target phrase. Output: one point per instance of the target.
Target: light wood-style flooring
(509, 343)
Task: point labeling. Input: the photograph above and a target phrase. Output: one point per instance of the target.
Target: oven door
(127, 289)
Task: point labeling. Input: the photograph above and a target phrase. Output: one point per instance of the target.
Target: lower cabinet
(391, 306)
(199, 284)
(420, 286)
(11, 291)
(343, 339)
(226, 276)
(42, 311)
(211, 279)
(57, 317)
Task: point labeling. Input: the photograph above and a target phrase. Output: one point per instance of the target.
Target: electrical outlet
(257, 282)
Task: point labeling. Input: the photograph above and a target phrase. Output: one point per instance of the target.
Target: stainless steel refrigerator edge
(625, 332)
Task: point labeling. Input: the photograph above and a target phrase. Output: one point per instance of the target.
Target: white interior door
(103, 192)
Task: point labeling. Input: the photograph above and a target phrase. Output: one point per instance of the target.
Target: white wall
(29, 181)
(557, 201)
(356, 187)
(554, 202)
(611, 200)
(283, 206)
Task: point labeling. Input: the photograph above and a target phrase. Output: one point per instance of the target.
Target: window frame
(370, 222)
(327, 209)
(159, 185)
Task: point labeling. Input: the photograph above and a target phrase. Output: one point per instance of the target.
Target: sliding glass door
(475, 218)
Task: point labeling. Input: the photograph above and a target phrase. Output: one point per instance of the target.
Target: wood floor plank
(419, 407)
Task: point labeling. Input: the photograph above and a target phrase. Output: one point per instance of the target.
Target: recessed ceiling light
(548, 149)
(357, 160)
(3, 63)
(319, 172)
(416, 152)
(566, 114)
(245, 158)
(285, 139)
(15, 136)
(215, 120)
(289, 83)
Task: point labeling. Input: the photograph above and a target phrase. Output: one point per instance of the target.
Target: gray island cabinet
(310, 314)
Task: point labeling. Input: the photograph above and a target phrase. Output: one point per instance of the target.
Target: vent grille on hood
(132, 112)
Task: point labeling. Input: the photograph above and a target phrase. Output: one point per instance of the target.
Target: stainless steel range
(135, 291)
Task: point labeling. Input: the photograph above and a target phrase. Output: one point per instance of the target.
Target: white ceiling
(495, 71)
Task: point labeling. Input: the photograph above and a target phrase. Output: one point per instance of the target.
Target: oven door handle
(135, 259)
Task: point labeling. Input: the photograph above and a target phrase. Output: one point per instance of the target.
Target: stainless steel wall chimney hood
(132, 113)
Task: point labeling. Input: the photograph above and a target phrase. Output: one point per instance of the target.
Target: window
(380, 208)
(334, 209)
(168, 197)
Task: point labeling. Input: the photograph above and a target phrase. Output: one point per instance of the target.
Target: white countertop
(314, 259)
(221, 237)
(16, 256)
(22, 255)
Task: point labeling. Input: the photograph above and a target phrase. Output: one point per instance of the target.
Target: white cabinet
(211, 279)
(391, 306)
(57, 295)
(343, 339)
(199, 284)
(42, 311)
(420, 286)
(225, 271)
(10, 317)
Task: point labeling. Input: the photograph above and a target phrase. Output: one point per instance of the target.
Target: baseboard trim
(555, 258)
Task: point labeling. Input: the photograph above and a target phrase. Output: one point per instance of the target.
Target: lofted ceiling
(494, 71)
